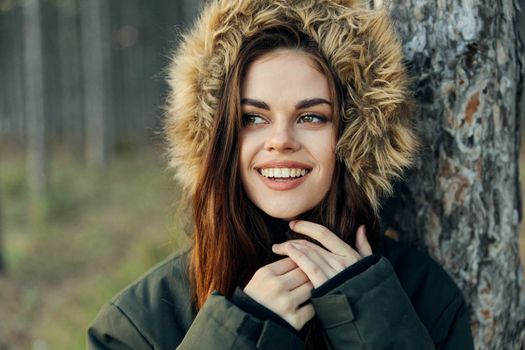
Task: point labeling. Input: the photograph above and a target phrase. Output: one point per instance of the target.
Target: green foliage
(100, 234)
(124, 145)
(13, 189)
(14, 184)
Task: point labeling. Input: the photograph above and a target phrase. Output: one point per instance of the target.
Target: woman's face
(288, 136)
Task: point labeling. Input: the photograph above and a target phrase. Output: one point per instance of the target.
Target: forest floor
(102, 232)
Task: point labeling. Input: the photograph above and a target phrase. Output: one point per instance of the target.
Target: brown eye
(252, 119)
(312, 118)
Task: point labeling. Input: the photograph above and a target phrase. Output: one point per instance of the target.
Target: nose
(282, 139)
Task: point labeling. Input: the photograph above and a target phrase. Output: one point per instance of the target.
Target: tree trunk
(189, 9)
(35, 111)
(71, 78)
(132, 66)
(521, 116)
(12, 112)
(462, 200)
(96, 61)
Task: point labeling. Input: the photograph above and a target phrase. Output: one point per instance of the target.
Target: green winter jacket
(404, 300)
(399, 299)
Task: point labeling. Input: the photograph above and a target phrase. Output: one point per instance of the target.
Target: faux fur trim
(378, 141)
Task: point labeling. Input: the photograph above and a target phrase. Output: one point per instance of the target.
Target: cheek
(243, 160)
(328, 160)
(323, 146)
(247, 150)
(329, 167)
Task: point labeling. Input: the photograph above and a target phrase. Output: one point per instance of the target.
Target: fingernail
(292, 224)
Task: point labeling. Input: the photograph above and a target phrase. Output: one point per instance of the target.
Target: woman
(287, 121)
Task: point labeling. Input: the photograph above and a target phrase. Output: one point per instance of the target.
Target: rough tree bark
(35, 112)
(462, 200)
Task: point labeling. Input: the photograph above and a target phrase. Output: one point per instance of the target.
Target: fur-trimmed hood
(360, 45)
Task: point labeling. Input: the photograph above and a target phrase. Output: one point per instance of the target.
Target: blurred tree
(96, 58)
(101, 71)
(189, 9)
(12, 113)
(131, 64)
(71, 104)
(462, 200)
(35, 112)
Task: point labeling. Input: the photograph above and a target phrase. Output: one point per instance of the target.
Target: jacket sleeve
(218, 325)
(113, 329)
(228, 327)
(372, 311)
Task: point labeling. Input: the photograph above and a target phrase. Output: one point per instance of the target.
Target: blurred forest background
(86, 203)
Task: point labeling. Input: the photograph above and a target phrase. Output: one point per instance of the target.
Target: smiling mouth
(283, 174)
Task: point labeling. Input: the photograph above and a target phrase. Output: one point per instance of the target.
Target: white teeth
(283, 172)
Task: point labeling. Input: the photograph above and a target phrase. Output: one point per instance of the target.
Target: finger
(314, 273)
(302, 293)
(323, 235)
(304, 314)
(282, 266)
(294, 278)
(336, 261)
(317, 259)
(361, 242)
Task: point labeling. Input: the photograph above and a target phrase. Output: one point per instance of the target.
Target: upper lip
(282, 164)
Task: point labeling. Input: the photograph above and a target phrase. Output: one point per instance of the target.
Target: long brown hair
(231, 237)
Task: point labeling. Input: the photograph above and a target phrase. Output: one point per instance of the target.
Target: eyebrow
(311, 102)
(300, 105)
(255, 103)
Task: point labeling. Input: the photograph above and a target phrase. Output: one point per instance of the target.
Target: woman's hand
(318, 263)
(283, 287)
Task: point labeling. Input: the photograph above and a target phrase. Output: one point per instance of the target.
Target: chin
(287, 214)
(282, 216)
